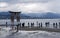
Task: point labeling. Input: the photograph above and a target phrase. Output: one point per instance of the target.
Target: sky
(30, 6)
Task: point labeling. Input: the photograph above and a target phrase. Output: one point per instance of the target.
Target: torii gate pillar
(14, 14)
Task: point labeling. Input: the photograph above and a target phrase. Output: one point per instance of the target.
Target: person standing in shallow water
(6, 24)
(23, 24)
(41, 24)
(28, 24)
(17, 28)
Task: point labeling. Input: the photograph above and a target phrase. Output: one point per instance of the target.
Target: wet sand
(39, 28)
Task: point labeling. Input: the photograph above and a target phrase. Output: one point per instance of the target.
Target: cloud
(54, 6)
(26, 7)
(25, 1)
(2, 4)
(31, 6)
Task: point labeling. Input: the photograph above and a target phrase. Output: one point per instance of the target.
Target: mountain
(6, 15)
(51, 15)
(47, 15)
(24, 16)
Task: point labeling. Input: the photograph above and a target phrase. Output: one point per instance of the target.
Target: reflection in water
(28, 34)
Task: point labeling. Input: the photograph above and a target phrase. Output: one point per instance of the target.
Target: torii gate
(17, 15)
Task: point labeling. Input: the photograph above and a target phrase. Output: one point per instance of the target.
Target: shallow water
(5, 33)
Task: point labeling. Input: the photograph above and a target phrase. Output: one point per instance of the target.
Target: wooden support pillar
(18, 20)
(12, 21)
(17, 17)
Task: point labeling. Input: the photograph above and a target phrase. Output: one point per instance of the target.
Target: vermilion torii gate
(14, 14)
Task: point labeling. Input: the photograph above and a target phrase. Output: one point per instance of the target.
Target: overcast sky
(30, 6)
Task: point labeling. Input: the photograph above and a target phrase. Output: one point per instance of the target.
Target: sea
(35, 21)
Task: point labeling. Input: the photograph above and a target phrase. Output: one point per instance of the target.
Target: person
(53, 25)
(6, 24)
(47, 24)
(28, 24)
(17, 27)
(32, 24)
(23, 24)
(41, 24)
